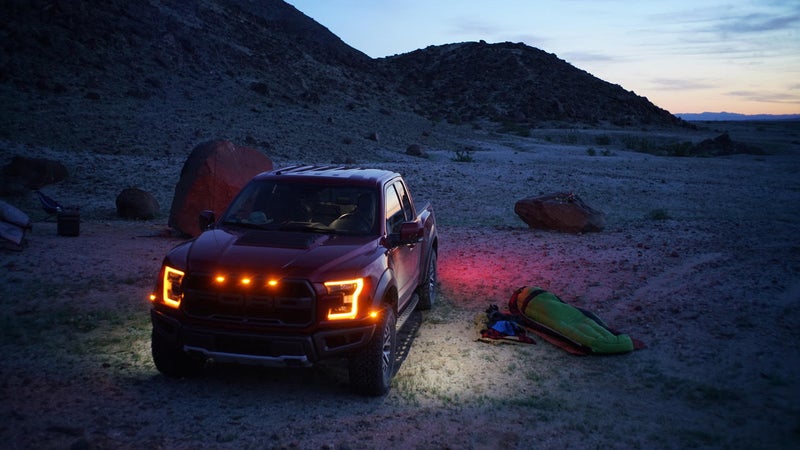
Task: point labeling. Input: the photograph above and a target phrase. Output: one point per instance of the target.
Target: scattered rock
(211, 176)
(415, 150)
(134, 203)
(259, 87)
(560, 211)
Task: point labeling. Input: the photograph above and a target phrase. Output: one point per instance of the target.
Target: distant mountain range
(721, 116)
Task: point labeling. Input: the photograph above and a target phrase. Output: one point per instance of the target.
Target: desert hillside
(154, 77)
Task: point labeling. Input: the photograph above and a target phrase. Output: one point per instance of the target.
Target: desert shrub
(463, 155)
(520, 129)
(454, 118)
(605, 152)
(679, 149)
(603, 139)
(658, 214)
(642, 145)
(571, 138)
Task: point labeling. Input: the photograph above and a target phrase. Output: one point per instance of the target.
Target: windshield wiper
(240, 224)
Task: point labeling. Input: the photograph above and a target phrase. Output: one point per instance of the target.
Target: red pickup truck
(306, 263)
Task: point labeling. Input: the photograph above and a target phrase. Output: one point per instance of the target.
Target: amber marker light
(272, 283)
(153, 297)
(246, 281)
(219, 279)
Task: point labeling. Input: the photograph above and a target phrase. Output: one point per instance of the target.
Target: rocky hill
(161, 76)
(514, 83)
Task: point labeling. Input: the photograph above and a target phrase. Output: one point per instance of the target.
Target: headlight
(344, 295)
(172, 287)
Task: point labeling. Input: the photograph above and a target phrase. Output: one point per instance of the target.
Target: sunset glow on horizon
(684, 56)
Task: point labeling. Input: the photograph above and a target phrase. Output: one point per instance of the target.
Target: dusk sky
(684, 56)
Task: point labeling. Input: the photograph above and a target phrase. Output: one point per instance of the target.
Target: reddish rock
(212, 175)
(560, 211)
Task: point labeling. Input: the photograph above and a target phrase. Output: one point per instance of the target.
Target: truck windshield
(286, 205)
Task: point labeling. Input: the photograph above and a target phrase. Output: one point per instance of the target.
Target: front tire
(427, 289)
(371, 369)
(171, 360)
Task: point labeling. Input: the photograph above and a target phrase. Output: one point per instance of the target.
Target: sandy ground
(700, 260)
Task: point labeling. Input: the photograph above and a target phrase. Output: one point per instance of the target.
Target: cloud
(758, 23)
(766, 96)
(734, 19)
(589, 57)
(471, 27)
(769, 27)
(681, 84)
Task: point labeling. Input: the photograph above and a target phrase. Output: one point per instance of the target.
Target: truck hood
(276, 253)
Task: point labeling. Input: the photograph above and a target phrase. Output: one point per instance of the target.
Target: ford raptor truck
(306, 263)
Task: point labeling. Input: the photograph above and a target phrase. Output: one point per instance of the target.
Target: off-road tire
(171, 361)
(372, 368)
(427, 289)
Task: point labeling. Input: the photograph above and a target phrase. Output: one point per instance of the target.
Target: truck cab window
(395, 214)
(405, 201)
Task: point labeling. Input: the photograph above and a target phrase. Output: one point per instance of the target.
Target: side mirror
(410, 233)
(206, 220)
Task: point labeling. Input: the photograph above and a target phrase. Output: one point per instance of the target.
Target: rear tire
(427, 289)
(171, 360)
(371, 369)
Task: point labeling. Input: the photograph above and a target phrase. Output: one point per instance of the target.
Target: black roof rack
(333, 171)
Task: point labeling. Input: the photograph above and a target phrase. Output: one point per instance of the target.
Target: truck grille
(290, 303)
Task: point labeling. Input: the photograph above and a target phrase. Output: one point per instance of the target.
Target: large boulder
(212, 175)
(32, 173)
(561, 211)
(134, 203)
(723, 145)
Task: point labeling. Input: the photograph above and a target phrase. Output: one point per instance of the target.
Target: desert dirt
(700, 260)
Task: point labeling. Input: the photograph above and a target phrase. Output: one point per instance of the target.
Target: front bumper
(269, 349)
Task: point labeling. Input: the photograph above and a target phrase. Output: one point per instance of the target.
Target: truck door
(404, 259)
